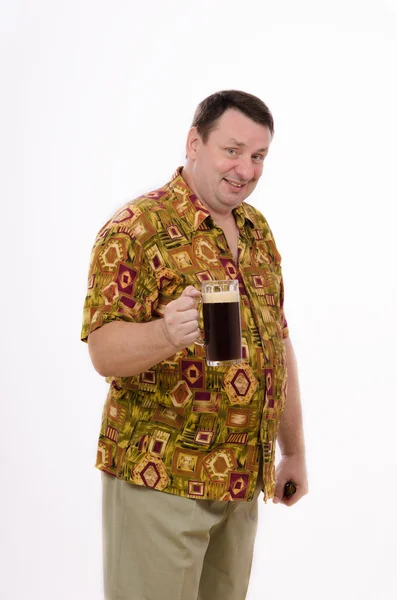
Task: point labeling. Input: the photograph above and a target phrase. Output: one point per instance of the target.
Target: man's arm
(292, 466)
(125, 349)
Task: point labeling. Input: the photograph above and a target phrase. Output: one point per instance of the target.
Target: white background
(96, 101)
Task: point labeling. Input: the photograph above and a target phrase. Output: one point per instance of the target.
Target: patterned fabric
(183, 427)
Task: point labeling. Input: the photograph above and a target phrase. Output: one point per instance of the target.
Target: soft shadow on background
(96, 101)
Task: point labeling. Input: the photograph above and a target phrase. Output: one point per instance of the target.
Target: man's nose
(244, 168)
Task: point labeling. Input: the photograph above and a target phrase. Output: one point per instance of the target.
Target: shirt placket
(247, 290)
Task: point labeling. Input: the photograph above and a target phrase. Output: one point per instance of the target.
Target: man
(185, 449)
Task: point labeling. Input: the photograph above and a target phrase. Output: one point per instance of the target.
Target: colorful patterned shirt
(183, 427)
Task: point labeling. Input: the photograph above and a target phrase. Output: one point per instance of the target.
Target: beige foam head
(221, 297)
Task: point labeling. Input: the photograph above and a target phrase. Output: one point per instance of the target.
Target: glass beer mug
(222, 326)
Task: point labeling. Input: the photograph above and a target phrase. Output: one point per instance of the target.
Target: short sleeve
(121, 283)
(275, 258)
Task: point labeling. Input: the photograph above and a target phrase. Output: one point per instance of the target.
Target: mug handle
(200, 342)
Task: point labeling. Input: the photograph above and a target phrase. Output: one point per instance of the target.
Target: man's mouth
(234, 183)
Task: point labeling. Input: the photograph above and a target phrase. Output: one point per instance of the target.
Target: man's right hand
(180, 322)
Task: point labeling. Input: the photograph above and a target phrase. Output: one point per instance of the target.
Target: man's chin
(236, 198)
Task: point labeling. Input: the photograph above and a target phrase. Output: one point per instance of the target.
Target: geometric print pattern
(183, 427)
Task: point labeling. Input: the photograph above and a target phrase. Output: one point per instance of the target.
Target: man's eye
(258, 157)
(231, 151)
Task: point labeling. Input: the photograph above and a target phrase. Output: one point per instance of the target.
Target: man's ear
(192, 143)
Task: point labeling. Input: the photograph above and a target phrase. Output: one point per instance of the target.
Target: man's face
(226, 169)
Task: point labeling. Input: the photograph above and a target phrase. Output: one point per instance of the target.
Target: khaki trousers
(157, 546)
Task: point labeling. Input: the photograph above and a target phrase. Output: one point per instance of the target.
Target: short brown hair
(212, 108)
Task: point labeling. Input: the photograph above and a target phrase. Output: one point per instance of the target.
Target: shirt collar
(195, 212)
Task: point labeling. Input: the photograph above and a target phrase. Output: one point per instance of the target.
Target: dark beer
(222, 329)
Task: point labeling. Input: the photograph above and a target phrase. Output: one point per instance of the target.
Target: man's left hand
(291, 468)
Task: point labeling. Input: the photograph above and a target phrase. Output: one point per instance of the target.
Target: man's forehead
(234, 125)
(241, 139)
